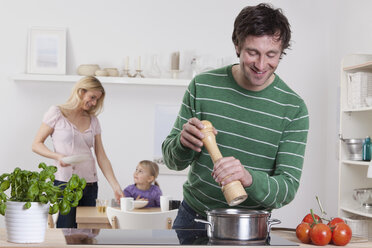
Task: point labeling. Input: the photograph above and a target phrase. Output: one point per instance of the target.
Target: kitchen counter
(55, 238)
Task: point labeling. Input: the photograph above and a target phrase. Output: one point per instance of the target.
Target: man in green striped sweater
(261, 124)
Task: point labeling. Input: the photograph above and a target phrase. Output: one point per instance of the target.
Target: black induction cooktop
(159, 237)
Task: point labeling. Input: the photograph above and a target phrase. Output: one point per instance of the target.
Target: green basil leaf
(27, 205)
(53, 209)
(42, 165)
(2, 208)
(4, 185)
(82, 183)
(74, 181)
(79, 194)
(43, 199)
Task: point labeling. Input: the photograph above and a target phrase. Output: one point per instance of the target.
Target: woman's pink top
(68, 140)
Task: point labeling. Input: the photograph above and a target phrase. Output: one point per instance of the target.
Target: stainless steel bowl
(363, 196)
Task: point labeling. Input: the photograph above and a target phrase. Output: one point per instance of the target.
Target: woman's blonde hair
(83, 85)
(153, 167)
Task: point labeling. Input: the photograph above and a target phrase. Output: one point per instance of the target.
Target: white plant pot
(26, 225)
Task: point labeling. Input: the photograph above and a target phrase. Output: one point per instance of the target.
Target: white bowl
(140, 203)
(363, 196)
(76, 159)
(112, 72)
(101, 73)
(87, 69)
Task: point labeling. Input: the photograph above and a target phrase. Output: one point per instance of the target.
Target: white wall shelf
(104, 80)
(358, 163)
(349, 110)
(355, 208)
(367, 66)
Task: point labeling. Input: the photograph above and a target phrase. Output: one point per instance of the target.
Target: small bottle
(367, 149)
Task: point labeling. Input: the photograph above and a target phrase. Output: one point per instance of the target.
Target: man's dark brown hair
(261, 20)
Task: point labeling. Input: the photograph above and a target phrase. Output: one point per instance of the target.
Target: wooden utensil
(234, 192)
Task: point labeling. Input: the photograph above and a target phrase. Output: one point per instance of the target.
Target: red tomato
(334, 221)
(320, 234)
(341, 235)
(309, 219)
(302, 232)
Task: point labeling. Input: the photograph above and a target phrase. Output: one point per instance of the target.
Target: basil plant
(31, 186)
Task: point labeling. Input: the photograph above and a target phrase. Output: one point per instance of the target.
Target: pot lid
(239, 212)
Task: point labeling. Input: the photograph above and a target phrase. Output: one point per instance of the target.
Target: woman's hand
(60, 160)
(118, 193)
(191, 136)
(230, 169)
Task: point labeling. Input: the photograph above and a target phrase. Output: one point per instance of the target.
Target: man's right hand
(191, 136)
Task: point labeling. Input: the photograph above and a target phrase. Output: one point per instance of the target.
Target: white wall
(105, 32)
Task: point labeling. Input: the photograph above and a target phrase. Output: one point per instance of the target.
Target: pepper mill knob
(234, 192)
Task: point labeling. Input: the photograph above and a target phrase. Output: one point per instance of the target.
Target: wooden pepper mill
(234, 192)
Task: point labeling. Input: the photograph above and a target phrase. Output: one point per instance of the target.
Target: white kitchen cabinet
(354, 123)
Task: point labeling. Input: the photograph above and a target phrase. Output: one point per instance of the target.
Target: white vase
(26, 225)
(154, 71)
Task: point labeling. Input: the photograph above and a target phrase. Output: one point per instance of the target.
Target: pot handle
(270, 223)
(205, 222)
(273, 222)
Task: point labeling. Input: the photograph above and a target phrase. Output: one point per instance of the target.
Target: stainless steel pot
(238, 224)
(354, 147)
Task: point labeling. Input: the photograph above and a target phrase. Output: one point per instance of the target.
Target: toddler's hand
(140, 199)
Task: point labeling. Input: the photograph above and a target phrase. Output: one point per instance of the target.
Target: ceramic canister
(26, 225)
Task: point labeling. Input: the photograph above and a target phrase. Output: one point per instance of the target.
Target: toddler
(143, 187)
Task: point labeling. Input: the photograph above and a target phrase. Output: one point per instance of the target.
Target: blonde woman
(75, 131)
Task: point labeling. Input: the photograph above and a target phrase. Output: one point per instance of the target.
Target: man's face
(259, 58)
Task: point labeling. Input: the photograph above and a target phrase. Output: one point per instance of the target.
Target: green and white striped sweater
(265, 130)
